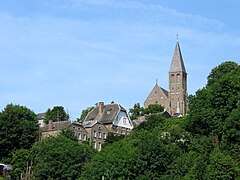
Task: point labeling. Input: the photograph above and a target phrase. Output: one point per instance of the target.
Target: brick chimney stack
(50, 125)
(101, 107)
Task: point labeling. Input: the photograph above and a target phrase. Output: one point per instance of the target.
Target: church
(174, 100)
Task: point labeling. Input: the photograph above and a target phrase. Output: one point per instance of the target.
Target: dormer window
(109, 111)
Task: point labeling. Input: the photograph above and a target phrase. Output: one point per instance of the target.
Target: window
(178, 78)
(125, 120)
(99, 135)
(94, 145)
(94, 134)
(84, 137)
(99, 146)
(79, 128)
(156, 102)
(73, 128)
(109, 111)
(79, 136)
(172, 78)
(104, 135)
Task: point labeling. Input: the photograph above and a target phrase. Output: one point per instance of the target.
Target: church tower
(178, 84)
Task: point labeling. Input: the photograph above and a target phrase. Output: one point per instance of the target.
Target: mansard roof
(108, 114)
(177, 60)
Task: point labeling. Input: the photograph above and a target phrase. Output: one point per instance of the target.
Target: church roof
(177, 60)
(156, 88)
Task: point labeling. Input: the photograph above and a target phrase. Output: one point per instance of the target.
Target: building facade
(105, 119)
(175, 99)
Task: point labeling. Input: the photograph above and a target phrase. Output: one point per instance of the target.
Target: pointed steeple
(177, 60)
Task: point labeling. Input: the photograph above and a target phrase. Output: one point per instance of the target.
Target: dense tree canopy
(18, 129)
(59, 158)
(153, 108)
(211, 106)
(219, 71)
(56, 114)
(205, 144)
(136, 111)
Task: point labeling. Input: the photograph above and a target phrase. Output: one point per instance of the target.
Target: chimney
(50, 125)
(101, 107)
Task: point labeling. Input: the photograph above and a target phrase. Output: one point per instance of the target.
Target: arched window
(178, 78)
(172, 78)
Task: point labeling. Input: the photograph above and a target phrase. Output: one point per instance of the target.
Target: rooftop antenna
(157, 81)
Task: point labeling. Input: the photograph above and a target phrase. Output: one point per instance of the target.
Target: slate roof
(164, 91)
(57, 126)
(41, 115)
(177, 60)
(160, 88)
(110, 111)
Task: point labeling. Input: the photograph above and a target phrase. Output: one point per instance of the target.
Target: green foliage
(203, 145)
(85, 113)
(219, 71)
(18, 129)
(221, 166)
(59, 158)
(211, 106)
(113, 138)
(136, 111)
(56, 114)
(231, 135)
(153, 108)
(20, 160)
(68, 133)
(152, 122)
(142, 155)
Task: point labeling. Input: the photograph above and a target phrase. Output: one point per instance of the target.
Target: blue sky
(75, 53)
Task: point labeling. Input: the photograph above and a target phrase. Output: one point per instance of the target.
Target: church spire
(177, 60)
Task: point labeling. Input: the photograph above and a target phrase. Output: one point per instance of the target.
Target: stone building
(79, 131)
(53, 128)
(105, 119)
(175, 99)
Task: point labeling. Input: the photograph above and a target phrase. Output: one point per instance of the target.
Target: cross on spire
(177, 35)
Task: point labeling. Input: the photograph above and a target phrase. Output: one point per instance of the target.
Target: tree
(231, 133)
(221, 166)
(153, 108)
(18, 129)
(85, 113)
(219, 71)
(211, 106)
(59, 158)
(56, 114)
(21, 161)
(69, 133)
(136, 111)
